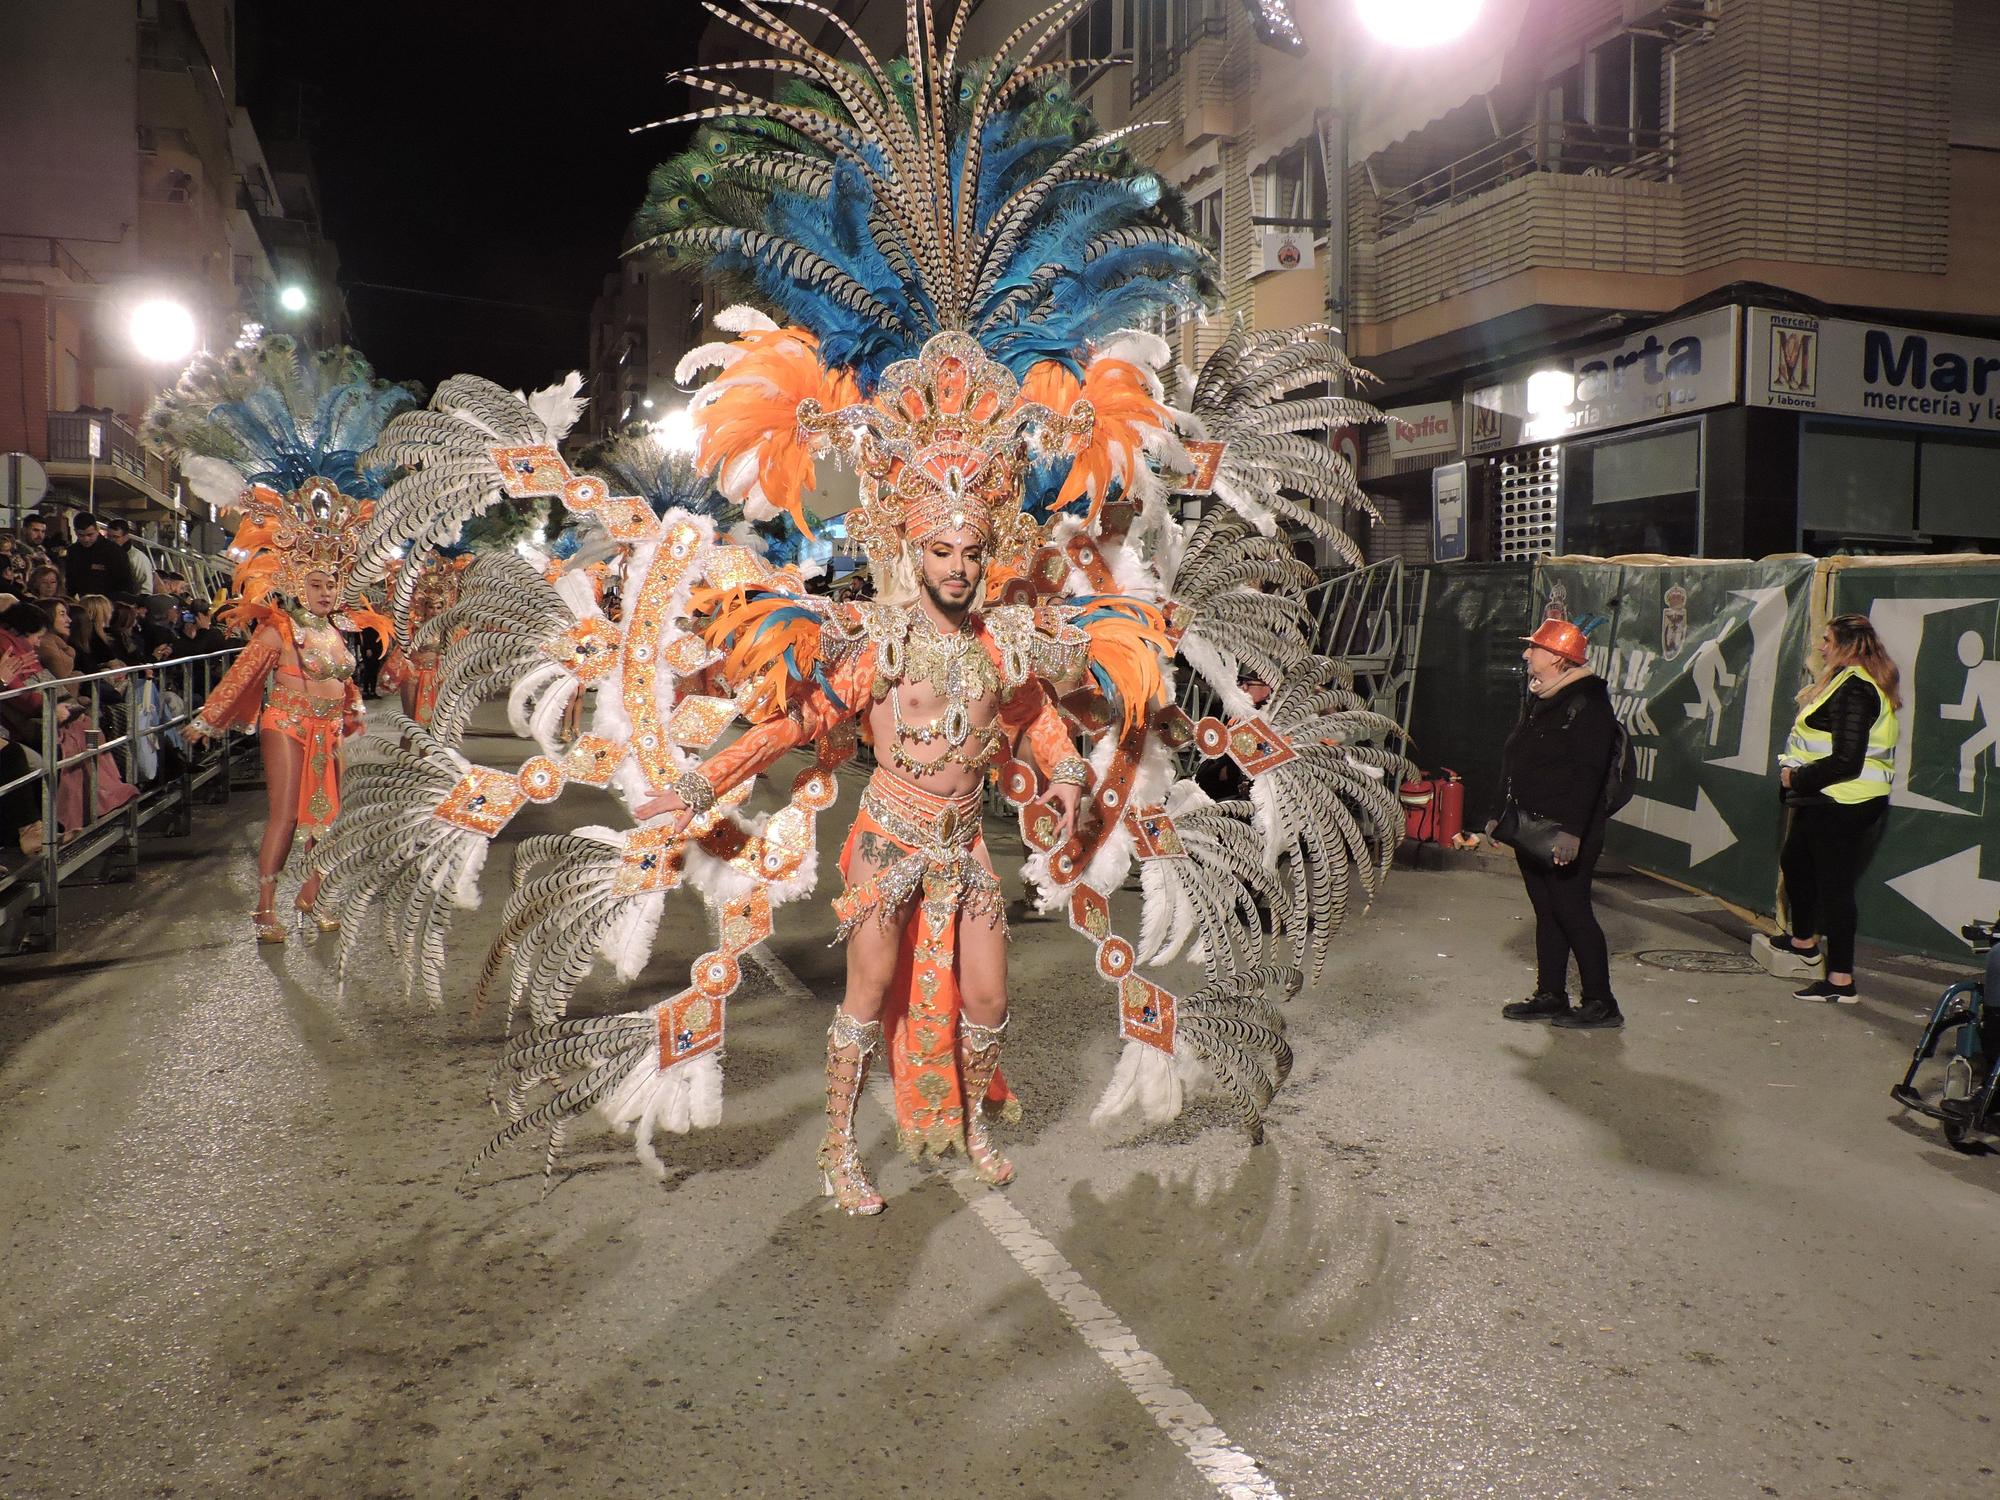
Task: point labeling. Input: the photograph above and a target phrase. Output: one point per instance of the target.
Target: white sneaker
(1784, 961)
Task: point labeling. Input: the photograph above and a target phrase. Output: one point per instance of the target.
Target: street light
(676, 430)
(1418, 23)
(163, 331)
(293, 299)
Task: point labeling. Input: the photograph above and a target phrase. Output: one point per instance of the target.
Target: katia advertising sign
(1415, 431)
(1843, 368)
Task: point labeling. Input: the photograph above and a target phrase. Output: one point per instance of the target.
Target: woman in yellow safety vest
(1835, 773)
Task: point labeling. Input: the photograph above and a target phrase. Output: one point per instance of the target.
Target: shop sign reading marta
(1802, 363)
(1680, 367)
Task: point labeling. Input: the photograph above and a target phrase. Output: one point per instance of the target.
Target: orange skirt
(315, 725)
(428, 671)
(943, 869)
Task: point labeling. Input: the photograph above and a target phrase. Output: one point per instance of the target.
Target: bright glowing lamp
(293, 299)
(163, 331)
(676, 431)
(1550, 392)
(1418, 23)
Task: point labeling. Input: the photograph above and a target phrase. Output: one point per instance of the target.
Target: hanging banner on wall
(1937, 864)
(1702, 659)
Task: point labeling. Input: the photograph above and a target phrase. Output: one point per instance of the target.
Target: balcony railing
(1565, 146)
(118, 445)
(1154, 66)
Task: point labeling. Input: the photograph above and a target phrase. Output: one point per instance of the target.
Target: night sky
(478, 150)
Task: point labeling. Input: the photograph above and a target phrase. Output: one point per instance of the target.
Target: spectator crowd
(74, 602)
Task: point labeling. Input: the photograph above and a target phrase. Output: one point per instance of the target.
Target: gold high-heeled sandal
(265, 918)
(978, 1061)
(849, 1045)
(310, 908)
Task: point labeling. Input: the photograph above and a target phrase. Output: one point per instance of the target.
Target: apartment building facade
(133, 175)
(1691, 276)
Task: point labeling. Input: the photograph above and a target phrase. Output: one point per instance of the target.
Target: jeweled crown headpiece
(315, 529)
(945, 446)
(279, 436)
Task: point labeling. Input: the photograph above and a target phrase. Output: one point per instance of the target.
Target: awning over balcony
(1406, 90)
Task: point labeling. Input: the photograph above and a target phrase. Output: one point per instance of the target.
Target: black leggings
(1565, 924)
(1825, 849)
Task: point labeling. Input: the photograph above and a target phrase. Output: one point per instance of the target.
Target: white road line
(1233, 1473)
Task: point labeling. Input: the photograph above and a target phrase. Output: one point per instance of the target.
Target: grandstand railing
(129, 712)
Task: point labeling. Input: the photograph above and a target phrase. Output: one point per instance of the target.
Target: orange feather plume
(749, 415)
(1126, 413)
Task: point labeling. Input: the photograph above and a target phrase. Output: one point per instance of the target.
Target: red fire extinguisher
(1434, 809)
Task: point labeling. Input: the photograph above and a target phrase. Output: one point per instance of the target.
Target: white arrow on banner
(1760, 689)
(1950, 892)
(1702, 827)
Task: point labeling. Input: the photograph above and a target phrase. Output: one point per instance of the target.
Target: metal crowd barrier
(143, 721)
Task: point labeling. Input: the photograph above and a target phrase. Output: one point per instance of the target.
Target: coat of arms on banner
(1558, 606)
(1674, 623)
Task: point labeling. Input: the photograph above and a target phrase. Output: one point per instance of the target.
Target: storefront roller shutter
(1975, 73)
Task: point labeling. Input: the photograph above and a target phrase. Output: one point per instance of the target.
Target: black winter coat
(1556, 759)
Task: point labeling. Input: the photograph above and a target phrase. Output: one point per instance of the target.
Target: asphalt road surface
(1703, 1257)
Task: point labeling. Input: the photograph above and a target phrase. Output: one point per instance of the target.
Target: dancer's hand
(1064, 797)
(666, 802)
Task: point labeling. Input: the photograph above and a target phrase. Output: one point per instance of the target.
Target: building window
(1164, 29)
(1097, 33)
(1292, 186)
(1205, 221)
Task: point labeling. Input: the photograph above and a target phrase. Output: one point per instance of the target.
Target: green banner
(1702, 659)
(1937, 865)
(1468, 684)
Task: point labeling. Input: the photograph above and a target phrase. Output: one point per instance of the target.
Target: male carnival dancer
(944, 691)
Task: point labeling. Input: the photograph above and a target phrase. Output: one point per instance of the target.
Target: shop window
(1292, 186)
(1856, 484)
(1640, 492)
(1956, 486)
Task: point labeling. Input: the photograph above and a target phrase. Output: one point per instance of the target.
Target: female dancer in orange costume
(295, 680)
(414, 672)
(280, 437)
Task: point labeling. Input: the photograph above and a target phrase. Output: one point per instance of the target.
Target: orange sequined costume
(273, 686)
(944, 861)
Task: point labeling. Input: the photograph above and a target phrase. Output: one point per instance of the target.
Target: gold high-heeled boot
(978, 1061)
(849, 1045)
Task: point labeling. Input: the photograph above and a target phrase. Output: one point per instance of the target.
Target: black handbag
(1533, 836)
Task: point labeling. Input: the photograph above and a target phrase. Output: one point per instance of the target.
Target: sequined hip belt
(296, 703)
(918, 819)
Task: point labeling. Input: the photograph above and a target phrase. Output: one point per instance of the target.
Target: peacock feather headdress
(958, 256)
(280, 437)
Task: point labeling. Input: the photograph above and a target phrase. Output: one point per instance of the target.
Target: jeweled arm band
(1071, 770)
(695, 790)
